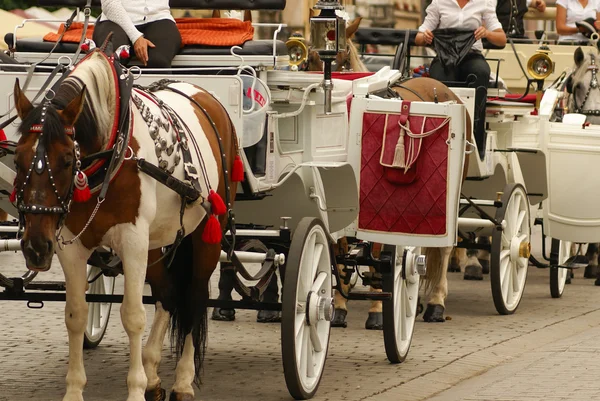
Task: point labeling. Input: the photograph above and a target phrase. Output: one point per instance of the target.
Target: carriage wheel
(307, 308)
(98, 312)
(558, 276)
(511, 247)
(400, 312)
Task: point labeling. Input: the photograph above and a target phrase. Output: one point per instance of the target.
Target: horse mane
(356, 63)
(95, 121)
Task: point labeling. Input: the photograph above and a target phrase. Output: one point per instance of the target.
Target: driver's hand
(539, 5)
(428, 36)
(481, 32)
(141, 49)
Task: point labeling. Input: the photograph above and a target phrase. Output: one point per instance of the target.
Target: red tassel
(124, 54)
(218, 206)
(212, 231)
(13, 196)
(3, 137)
(237, 173)
(85, 47)
(81, 193)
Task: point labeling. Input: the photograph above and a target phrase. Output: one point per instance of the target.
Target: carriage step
(46, 286)
(575, 262)
(367, 295)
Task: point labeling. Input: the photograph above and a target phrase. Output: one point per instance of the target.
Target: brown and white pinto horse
(138, 215)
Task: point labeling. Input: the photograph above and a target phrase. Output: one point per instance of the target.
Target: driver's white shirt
(576, 13)
(448, 14)
(129, 13)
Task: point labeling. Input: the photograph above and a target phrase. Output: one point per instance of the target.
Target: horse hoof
(225, 315)
(485, 266)
(434, 314)
(419, 306)
(597, 282)
(473, 272)
(590, 271)
(181, 397)
(339, 318)
(268, 316)
(158, 394)
(454, 268)
(374, 321)
(568, 280)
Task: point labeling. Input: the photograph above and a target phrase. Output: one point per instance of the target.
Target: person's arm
(431, 22)
(491, 28)
(114, 11)
(561, 21)
(597, 22)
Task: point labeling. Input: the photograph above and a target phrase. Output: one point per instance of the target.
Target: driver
(479, 16)
(147, 24)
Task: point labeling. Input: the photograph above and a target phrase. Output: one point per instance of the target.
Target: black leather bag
(452, 45)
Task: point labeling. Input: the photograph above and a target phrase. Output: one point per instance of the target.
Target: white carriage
(311, 179)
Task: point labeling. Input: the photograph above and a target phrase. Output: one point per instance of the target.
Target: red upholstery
(418, 207)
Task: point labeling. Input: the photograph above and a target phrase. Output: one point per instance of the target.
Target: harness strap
(118, 151)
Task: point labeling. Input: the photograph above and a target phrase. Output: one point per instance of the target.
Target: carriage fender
(315, 189)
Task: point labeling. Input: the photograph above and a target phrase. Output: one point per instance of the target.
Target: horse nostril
(49, 245)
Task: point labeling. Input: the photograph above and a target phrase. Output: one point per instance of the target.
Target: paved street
(548, 350)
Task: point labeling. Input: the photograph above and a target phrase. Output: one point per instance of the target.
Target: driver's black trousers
(473, 64)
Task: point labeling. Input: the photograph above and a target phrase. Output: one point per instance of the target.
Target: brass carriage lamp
(540, 66)
(328, 36)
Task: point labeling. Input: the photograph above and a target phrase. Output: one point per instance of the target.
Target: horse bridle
(593, 68)
(39, 164)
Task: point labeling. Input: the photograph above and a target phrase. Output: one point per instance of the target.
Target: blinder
(39, 164)
(594, 84)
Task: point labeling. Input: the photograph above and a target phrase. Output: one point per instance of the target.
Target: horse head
(54, 135)
(346, 60)
(583, 86)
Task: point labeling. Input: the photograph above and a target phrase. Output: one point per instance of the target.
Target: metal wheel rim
(98, 312)
(513, 270)
(311, 340)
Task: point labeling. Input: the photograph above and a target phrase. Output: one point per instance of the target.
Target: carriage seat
(250, 48)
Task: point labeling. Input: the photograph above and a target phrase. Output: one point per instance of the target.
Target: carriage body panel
(380, 220)
(571, 210)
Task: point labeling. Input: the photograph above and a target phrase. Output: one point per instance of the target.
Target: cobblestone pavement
(547, 350)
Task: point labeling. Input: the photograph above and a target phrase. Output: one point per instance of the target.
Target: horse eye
(68, 161)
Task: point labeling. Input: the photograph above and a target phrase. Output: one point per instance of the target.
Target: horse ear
(216, 14)
(248, 15)
(22, 104)
(352, 27)
(578, 56)
(70, 114)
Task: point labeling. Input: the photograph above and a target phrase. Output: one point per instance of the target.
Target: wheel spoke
(409, 311)
(299, 323)
(321, 277)
(402, 317)
(515, 280)
(505, 272)
(314, 338)
(306, 268)
(505, 240)
(521, 219)
(310, 364)
(303, 351)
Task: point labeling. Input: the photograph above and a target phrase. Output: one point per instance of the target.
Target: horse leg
(591, 270)
(151, 355)
(473, 269)
(76, 313)
(189, 314)
(271, 294)
(226, 284)
(457, 255)
(437, 260)
(484, 255)
(340, 303)
(375, 319)
(133, 249)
